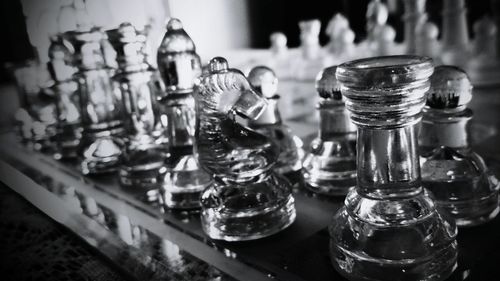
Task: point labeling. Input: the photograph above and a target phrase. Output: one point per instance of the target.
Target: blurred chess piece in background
(341, 46)
(310, 60)
(414, 18)
(455, 36)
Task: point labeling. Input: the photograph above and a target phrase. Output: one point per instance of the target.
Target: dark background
(266, 16)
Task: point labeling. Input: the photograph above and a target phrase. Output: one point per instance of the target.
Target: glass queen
(389, 226)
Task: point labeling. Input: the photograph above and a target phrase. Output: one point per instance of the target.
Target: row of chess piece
(174, 136)
(480, 57)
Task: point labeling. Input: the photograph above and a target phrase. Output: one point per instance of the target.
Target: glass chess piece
(330, 165)
(455, 36)
(269, 123)
(341, 45)
(101, 106)
(428, 43)
(248, 199)
(310, 61)
(385, 41)
(141, 157)
(389, 226)
(376, 17)
(485, 36)
(380, 35)
(495, 6)
(414, 18)
(181, 180)
(64, 89)
(280, 56)
(36, 118)
(451, 170)
(483, 67)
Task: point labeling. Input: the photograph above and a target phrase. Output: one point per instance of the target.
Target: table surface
(150, 244)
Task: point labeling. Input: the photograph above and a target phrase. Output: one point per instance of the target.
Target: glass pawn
(389, 226)
(269, 123)
(451, 170)
(141, 157)
(330, 165)
(247, 200)
(181, 180)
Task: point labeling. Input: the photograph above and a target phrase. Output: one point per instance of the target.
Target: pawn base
(247, 211)
(100, 156)
(181, 182)
(472, 212)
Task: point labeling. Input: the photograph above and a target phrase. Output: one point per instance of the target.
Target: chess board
(149, 243)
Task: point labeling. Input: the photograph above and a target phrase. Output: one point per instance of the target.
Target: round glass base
(247, 211)
(99, 154)
(398, 239)
(142, 183)
(472, 212)
(337, 186)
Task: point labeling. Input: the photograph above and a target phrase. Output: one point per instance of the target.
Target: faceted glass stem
(388, 163)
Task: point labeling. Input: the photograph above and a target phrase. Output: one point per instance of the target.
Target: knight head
(224, 89)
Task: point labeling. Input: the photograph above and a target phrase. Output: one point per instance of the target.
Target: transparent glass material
(142, 157)
(330, 165)
(181, 180)
(269, 123)
(290, 159)
(452, 171)
(68, 127)
(248, 200)
(389, 227)
(100, 104)
(100, 148)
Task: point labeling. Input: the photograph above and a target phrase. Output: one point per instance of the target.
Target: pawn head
(430, 30)
(217, 64)
(264, 80)
(450, 88)
(327, 85)
(278, 40)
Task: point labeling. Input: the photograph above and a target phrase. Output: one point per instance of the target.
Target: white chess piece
(279, 59)
(484, 65)
(485, 36)
(380, 36)
(376, 17)
(455, 36)
(414, 18)
(278, 44)
(385, 40)
(309, 38)
(310, 62)
(428, 41)
(334, 30)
